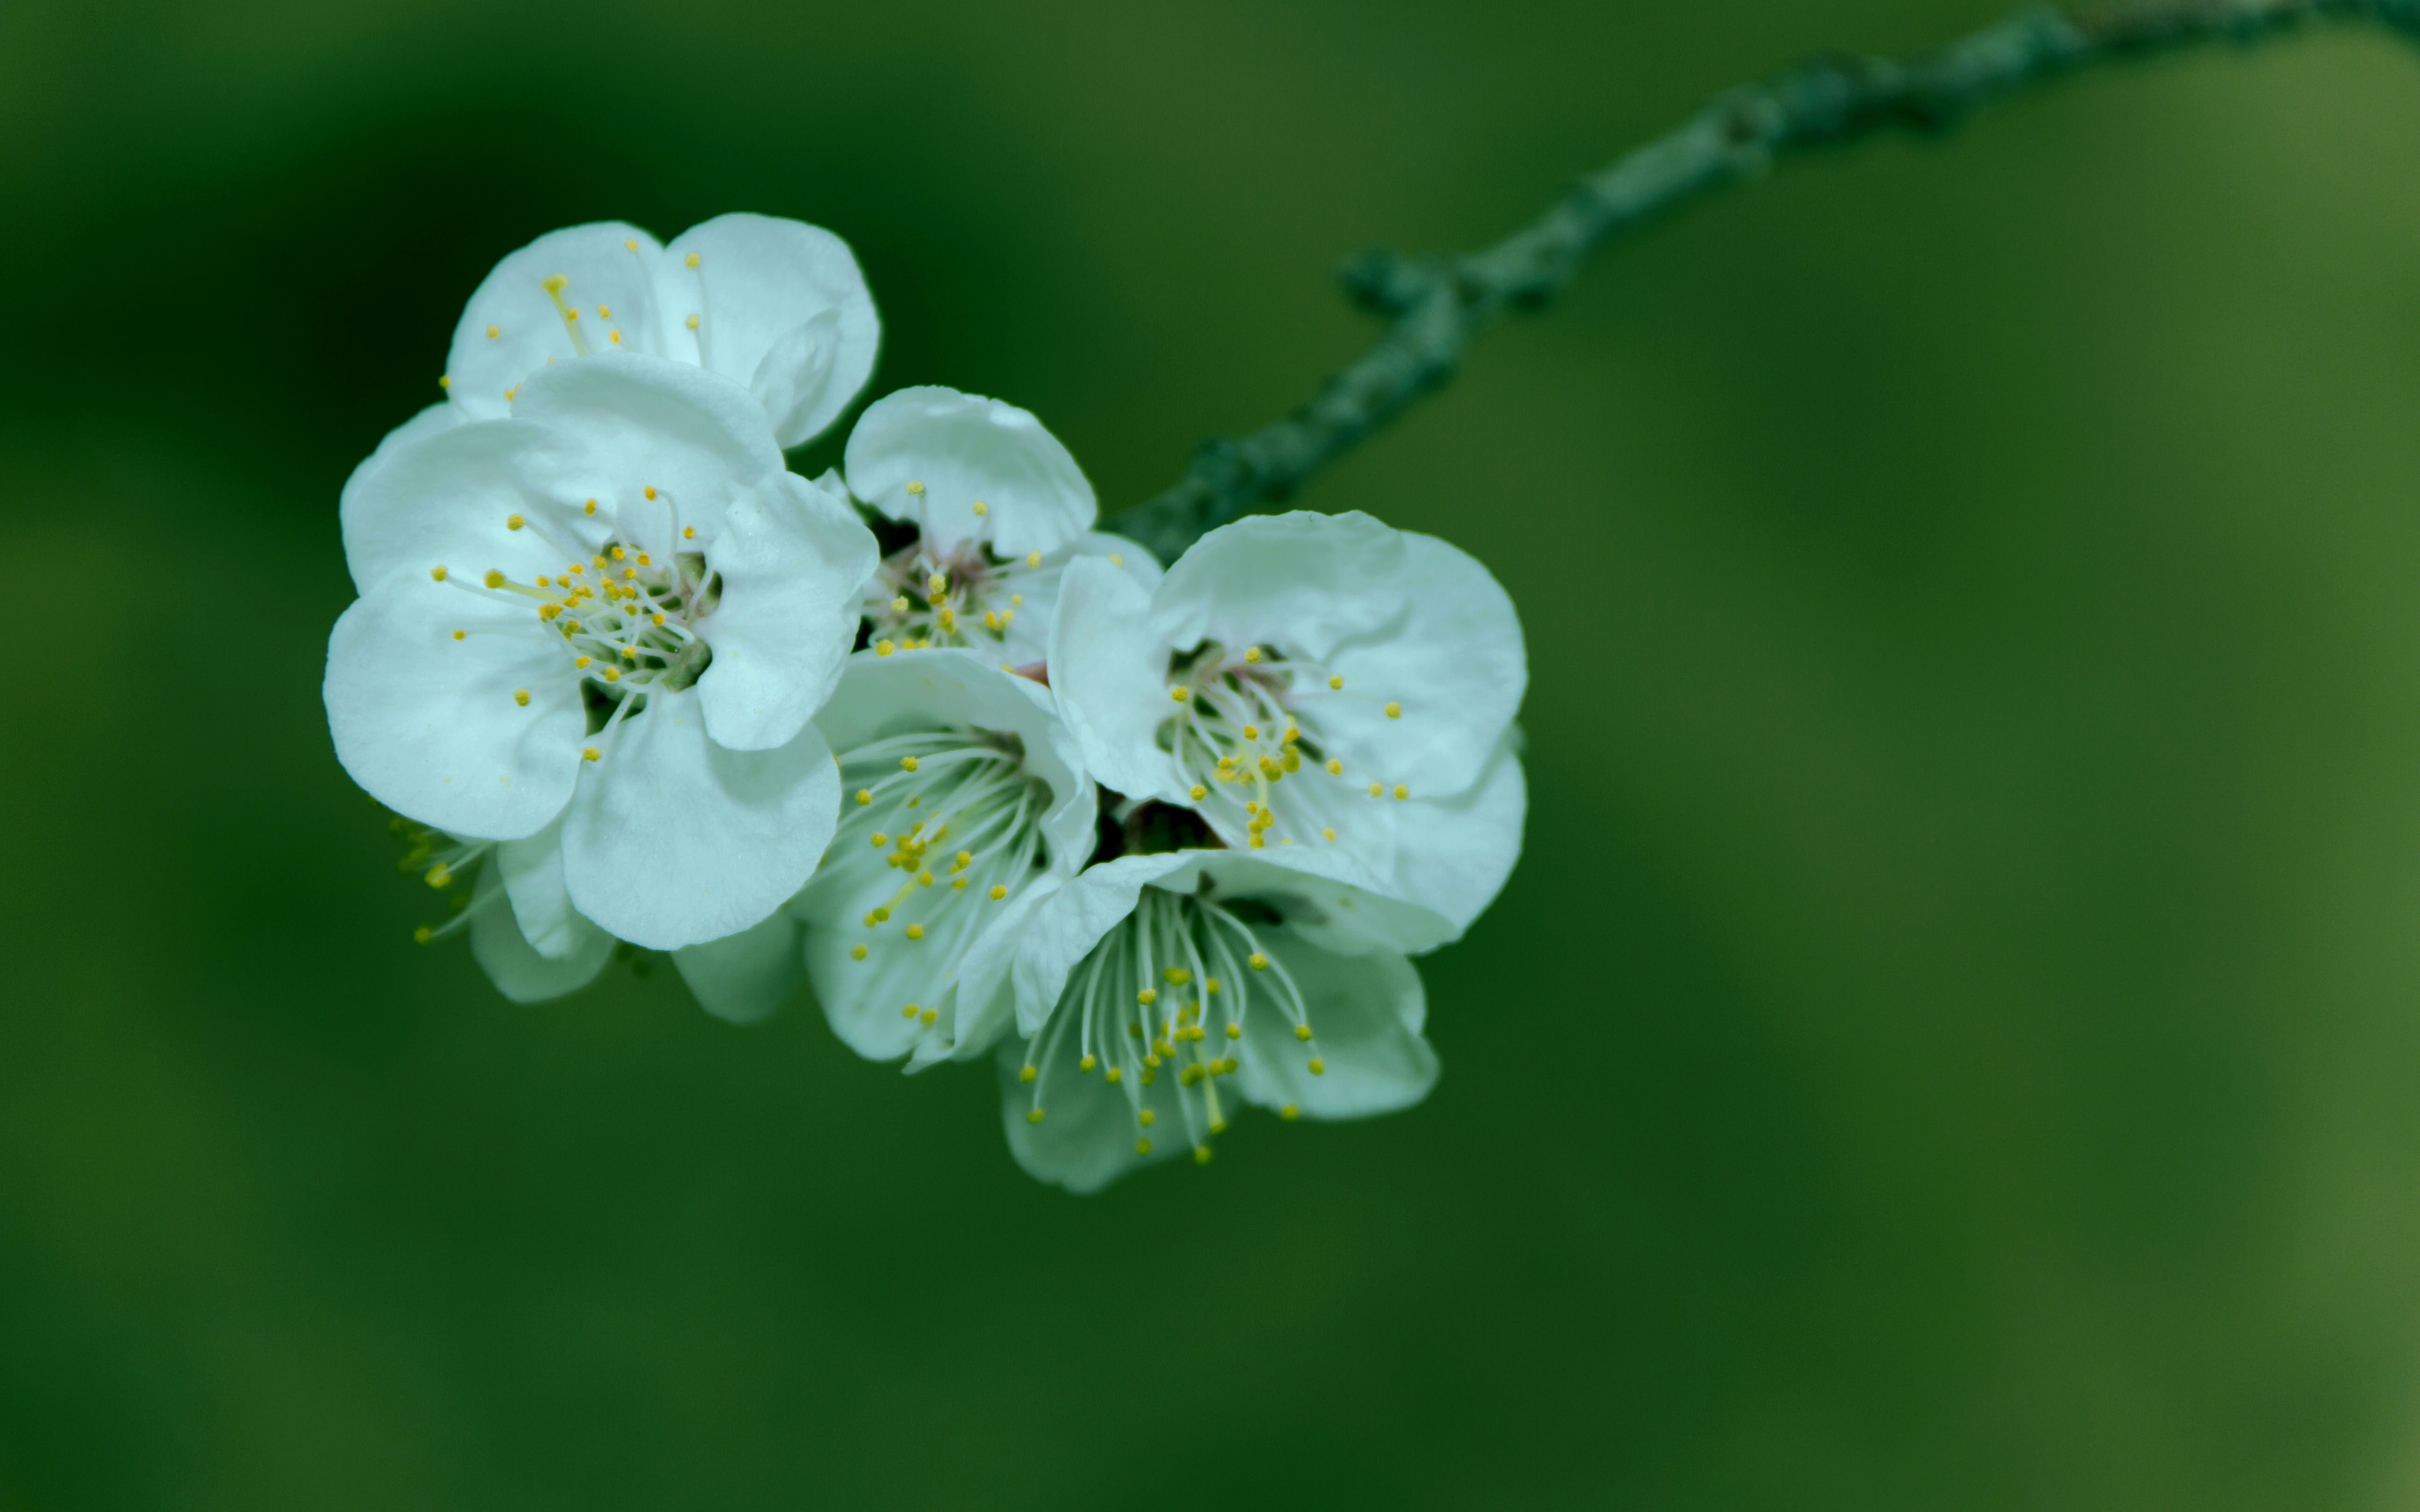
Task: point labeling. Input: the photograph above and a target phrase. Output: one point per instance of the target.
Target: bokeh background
(1953, 1040)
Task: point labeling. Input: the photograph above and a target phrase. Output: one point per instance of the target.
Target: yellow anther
(440, 874)
(1033, 1117)
(991, 619)
(957, 884)
(1257, 962)
(650, 491)
(1252, 652)
(579, 661)
(1394, 711)
(980, 509)
(964, 858)
(615, 337)
(572, 315)
(588, 508)
(865, 796)
(437, 574)
(1251, 731)
(923, 879)
(1146, 1118)
(880, 840)
(947, 619)
(1175, 975)
(1198, 792)
(1210, 985)
(1377, 790)
(907, 763)
(1147, 997)
(936, 583)
(512, 392)
(604, 314)
(1026, 1074)
(1327, 833)
(646, 561)
(520, 696)
(514, 522)
(491, 332)
(458, 635)
(618, 553)
(909, 1011)
(690, 260)
(689, 532)
(590, 754)
(1086, 1064)
(659, 617)
(1234, 1031)
(493, 577)
(1117, 559)
(555, 283)
(999, 890)
(1255, 842)
(1335, 767)
(1179, 694)
(629, 245)
(1318, 1067)
(1402, 792)
(1201, 1152)
(1113, 1076)
(629, 573)
(612, 674)
(1289, 1113)
(1033, 559)
(884, 648)
(444, 381)
(422, 935)
(857, 952)
(693, 322)
(1017, 599)
(1143, 1147)
(899, 605)
(915, 488)
(915, 932)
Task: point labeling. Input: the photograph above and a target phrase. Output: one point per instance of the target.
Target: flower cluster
(1162, 844)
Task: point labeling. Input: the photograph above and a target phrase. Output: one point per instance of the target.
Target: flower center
(955, 814)
(626, 621)
(1246, 721)
(967, 596)
(1166, 993)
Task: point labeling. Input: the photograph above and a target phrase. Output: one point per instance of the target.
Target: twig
(1438, 303)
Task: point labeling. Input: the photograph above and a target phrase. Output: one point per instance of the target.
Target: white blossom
(1312, 682)
(1156, 992)
(591, 636)
(999, 508)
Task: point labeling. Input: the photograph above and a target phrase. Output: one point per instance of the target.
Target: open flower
(776, 306)
(1155, 993)
(962, 792)
(1000, 508)
(1312, 682)
(601, 627)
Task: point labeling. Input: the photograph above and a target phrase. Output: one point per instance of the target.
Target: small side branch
(1436, 303)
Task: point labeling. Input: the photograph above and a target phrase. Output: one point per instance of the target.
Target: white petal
(429, 724)
(1454, 854)
(444, 497)
(606, 265)
(1110, 674)
(1027, 639)
(629, 425)
(1452, 658)
(794, 561)
(1322, 896)
(1088, 1133)
(1365, 1012)
(883, 696)
(533, 873)
(781, 307)
(968, 450)
(672, 839)
(513, 964)
(744, 977)
(1062, 930)
(1306, 581)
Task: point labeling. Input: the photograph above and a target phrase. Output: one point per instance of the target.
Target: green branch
(1439, 303)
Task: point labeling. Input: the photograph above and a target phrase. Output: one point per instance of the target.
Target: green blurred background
(1951, 1042)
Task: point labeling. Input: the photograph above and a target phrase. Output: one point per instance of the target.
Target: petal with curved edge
(1454, 854)
(1064, 928)
(672, 839)
(634, 424)
(1111, 676)
(1365, 1013)
(793, 560)
(607, 276)
(1452, 657)
(519, 971)
(781, 306)
(1091, 1132)
(1303, 580)
(1322, 896)
(744, 977)
(1027, 639)
(446, 497)
(968, 450)
(429, 725)
(883, 696)
(533, 873)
